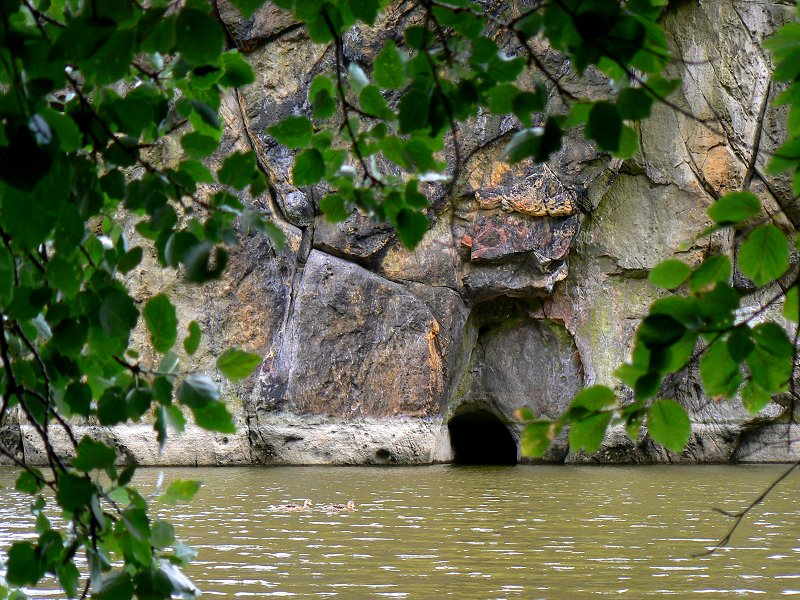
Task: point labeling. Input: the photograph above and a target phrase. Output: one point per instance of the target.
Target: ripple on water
(524, 532)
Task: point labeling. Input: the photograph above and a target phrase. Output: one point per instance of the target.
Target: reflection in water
(477, 532)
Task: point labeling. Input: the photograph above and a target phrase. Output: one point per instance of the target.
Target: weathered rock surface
(315, 440)
(528, 286)
(358, 345)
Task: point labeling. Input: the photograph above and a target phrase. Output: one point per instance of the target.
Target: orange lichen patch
(722, 169)
(466, 241)
(532, 206)
(525, 188)
(436, 385)
(562, 205)
(488, 202)
(490, 174)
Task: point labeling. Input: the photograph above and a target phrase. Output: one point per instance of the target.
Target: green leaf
(111, 60)
(334, 208)
(628, 143)
(237, 71)
(411, 227)
(68, 577)
(162, 322)
(634, 104)
(419, 155)
(764, 254)
(529, 25)
(294, 132)
(30, 482)
(535, 142)
(505, 68)
(365, 10)
(192, 341)
(196, 171)
(67, 132)
(791, 305)
(163, 535)
(390, 68)
(740, 343)
(199, 145)
(197, 391)
(247, 7)
(309, 167)
(94, 455)
(770, 364)
(199, 36)
(605, 126)
(111, 407)
(536, 438)
(321, 94)
(214, 417)
(180, 490)
(669, 274)
(64, 274)
(648, 385)
(414, 107)
(659, 331)
(138, 401)
(237, 365)
(238, 169)
(500, 98)
(6, 276)
(720, 373)
(168, 364)
(588, 432)
(754, 397)
(118, 314)
(114, 586)
(734, 208)
(24, 564)
(374, 103)
(669, 425)
(205, 262)
(526, 103)
(594, 397)
(78, 397)
(130, 260)
(137, 523)
(713, 270)
(74, 492)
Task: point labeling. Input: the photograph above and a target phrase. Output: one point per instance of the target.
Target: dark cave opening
(478, 437)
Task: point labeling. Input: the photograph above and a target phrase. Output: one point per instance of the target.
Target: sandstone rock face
(358, 345)
(528, 286)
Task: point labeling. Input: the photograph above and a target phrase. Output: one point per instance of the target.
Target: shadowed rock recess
(515, 298)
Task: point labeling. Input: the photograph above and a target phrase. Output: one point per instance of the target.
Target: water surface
(478, 532)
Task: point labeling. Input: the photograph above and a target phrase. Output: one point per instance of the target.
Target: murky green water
(479, 532)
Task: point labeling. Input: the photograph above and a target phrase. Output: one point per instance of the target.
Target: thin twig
(346, 106)
(445, 100)
(739, 516)
(15, 389)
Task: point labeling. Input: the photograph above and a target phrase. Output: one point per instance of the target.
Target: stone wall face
(528, 286)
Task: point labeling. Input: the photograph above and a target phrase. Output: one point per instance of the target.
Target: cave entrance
(478, 437)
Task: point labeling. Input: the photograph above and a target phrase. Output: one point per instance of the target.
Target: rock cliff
(527, 287)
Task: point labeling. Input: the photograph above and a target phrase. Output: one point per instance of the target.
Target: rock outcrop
(528, 286)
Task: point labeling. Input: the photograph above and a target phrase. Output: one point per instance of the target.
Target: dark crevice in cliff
(698, 173)
(478, 437)
(756, 145)
(260, 43)
(274, 205)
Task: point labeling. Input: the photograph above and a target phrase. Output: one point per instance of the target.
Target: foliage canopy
(88, 87)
